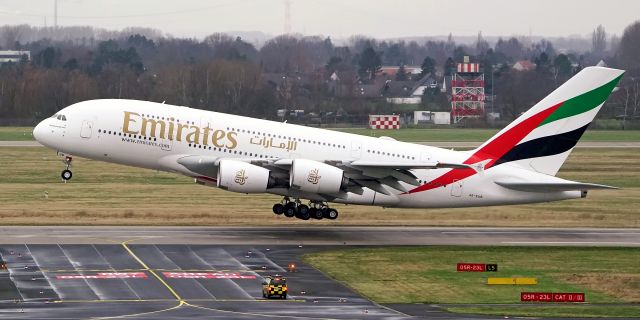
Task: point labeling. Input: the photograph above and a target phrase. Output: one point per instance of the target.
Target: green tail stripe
(583, 102)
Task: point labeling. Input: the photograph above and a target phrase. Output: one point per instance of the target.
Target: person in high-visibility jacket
(274, 286)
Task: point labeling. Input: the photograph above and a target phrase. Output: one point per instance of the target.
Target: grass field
(428, 275)
(555, 311)
(108, 194)
(409, 135)
(16, 133)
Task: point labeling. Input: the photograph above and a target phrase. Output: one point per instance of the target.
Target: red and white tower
(467, 91)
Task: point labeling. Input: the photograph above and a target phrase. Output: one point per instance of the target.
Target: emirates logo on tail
(240, 178)
(314, 176)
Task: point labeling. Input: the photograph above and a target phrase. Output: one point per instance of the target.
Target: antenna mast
(55, 13)
(287, 16)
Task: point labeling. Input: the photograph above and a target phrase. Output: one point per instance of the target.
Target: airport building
(14, 56)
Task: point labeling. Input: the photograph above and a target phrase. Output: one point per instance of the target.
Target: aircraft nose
(39, 131)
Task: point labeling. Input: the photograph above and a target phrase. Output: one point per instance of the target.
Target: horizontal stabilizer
(478, 167)
(552, 186)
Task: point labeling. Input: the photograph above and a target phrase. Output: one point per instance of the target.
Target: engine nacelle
(316, 177)
(238, 176)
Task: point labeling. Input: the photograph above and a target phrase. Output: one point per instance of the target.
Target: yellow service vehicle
(274, 286)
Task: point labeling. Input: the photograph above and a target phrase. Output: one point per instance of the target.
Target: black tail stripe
(545, 146)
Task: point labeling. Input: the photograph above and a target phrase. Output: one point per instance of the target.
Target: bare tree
(629, 49)
(599, 40)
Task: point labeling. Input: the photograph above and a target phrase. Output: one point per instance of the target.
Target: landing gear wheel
(290, 210)
(66, 175)
(316, 213)
(303, 212)
(331, 214)
(278, 208)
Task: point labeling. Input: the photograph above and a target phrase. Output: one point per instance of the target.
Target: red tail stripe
(493, 150)
(506, 141)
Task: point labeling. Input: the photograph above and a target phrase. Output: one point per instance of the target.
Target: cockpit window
(64, 118)
(60, 117)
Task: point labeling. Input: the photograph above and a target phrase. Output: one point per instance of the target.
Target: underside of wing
(552, 186)
(381, 177)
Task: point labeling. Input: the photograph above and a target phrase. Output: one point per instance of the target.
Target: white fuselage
(154, 136)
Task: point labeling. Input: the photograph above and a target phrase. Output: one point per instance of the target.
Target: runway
(321, 236)
(216, 272)
(439, 144)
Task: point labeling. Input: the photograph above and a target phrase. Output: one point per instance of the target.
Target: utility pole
(55, 14)
(287, 16)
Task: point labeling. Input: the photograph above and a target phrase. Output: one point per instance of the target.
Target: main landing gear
(316, 210)
(66, 173)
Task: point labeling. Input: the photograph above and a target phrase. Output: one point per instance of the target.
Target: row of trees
(231, 75)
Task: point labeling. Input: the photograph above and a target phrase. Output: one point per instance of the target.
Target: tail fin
(542, 138)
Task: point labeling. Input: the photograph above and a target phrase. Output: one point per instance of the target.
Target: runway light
(268, 249)
(292, 267)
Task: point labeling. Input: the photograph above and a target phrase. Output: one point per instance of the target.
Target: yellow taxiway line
(146, 267)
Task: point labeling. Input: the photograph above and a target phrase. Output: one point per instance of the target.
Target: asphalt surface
(321, 236)
(171, 282)
(216, 272)
(440, 144)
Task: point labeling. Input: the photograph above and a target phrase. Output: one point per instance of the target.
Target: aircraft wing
(552, 186)
(377, 176)
(374, 175)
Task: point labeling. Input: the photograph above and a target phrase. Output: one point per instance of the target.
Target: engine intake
(317, 177)
(238, 176)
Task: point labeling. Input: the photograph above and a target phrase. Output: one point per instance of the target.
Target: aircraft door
(87, 128)
(166, 144)
(456, 188)
(356, 149)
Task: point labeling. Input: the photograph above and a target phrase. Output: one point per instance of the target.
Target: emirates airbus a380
(246, 155)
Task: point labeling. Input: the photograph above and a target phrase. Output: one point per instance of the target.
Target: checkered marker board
(384, 121)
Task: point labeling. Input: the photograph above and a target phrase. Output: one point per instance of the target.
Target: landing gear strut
(315, 209)
(66, 173)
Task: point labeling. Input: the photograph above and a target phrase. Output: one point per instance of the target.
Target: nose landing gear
(66, 173)
(316, 209)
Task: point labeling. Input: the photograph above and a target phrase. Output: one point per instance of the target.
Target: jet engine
(316, 177)
(238, 176)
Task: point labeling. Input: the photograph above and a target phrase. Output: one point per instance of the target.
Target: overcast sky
(336, 18)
